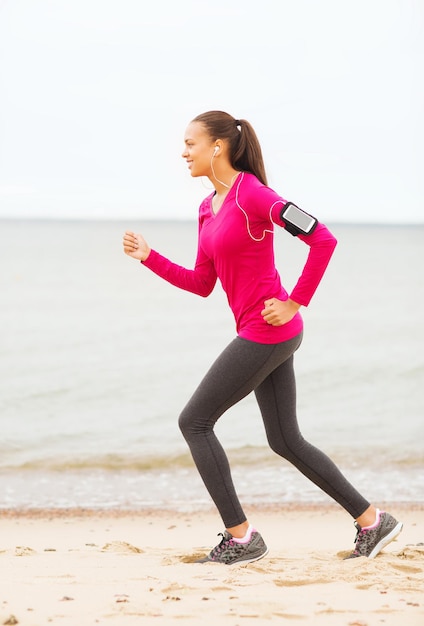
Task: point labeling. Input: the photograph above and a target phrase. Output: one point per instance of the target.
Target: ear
(218, 147)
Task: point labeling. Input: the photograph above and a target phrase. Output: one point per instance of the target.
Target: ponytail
(244, 148)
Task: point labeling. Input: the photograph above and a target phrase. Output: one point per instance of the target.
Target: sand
(125, 568)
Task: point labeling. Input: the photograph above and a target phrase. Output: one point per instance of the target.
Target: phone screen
(299, 218)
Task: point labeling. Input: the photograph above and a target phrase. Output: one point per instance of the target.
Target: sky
(95, 97)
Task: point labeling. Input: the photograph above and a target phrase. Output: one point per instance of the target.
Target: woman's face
(199, 149)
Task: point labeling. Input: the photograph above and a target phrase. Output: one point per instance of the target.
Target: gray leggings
(246, 366)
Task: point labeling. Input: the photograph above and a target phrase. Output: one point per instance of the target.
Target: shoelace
(359, 536)
(222, 544)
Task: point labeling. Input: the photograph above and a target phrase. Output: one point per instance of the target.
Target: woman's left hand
(279, 312)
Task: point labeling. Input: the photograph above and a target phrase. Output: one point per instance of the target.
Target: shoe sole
(385, 540)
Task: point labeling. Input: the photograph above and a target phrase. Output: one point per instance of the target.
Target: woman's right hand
(135, 246)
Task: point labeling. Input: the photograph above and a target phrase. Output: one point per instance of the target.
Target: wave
(246, 456)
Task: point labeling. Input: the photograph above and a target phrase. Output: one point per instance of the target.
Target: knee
(287, 449)
(184, 423)
(187, 423)
(280, 448)
(191, 425)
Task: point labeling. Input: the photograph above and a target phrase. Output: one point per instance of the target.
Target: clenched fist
(135, 246)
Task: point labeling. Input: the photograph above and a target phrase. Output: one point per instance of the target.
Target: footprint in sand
(412, 552)
(121, 547)
(407, 569)
(176, 587)
(191, 558)
(301, 581)
(24, 551)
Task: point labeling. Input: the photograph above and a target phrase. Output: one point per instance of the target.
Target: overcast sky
(95, 96)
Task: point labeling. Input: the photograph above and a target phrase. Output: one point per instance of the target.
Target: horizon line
(185, 219)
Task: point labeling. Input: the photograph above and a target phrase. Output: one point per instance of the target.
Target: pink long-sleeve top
(236, 246)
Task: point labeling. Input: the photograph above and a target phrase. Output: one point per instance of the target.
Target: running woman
(235, 245)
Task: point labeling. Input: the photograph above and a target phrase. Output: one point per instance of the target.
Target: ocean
(98, 356)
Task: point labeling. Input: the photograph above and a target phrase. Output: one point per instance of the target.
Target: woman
(235, 245)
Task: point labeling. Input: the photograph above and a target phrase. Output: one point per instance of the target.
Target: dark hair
(244, 148)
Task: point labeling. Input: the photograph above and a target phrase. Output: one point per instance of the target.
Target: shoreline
(266, 507)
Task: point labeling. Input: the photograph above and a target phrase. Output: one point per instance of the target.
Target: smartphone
(298, 221)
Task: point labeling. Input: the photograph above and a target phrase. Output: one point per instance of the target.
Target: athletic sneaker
(229, 551)
(370, 540)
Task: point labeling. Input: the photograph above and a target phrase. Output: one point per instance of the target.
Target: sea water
(98, 356)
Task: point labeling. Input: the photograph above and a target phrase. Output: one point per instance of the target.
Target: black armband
(297, 221)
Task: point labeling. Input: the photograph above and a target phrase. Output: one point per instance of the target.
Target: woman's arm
(201, 280)
(322, 243)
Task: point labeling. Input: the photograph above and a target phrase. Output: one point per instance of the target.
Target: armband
(297, 221)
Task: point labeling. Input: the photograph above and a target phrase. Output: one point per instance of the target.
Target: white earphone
(215, 150)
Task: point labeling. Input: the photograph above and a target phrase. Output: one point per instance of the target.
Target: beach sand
(119, 568)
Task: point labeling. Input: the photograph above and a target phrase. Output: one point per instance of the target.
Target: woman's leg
(237, 371)
(276, 397)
